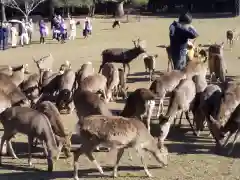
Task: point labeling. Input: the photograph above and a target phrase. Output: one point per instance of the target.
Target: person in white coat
(29, 26)
(14, 36)
(24, 34)
(73, 29)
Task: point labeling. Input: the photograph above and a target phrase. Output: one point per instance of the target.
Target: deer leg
(119, 155)
(60, 146)
(150, 108)
(30, 143)
(180, 120)
(124, 67)
(1, 147)
(70, 107)
(160, 108)
(130, 156)
(100, 68)
(10, 150)
(76, 155)
(49, 158)
(86, 147)
(36, 142)
(188, 119)
(6, 137)
(226, 141)
(129, 69)
(140, 153)
(104, 94)
(45, 152)
(169, 64)
(234, 141)
(92, 159)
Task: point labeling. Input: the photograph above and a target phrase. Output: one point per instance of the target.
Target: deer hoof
(115, 175)
(29, 163)
(76, 178)
(15, 157)
(149, 175)
(195, 134)
(229, 152)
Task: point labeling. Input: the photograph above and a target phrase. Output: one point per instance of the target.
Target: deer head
(26, 69)
(216, 129)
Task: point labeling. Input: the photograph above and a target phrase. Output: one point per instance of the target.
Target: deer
(216, 62)
(181, 100)
(219, 131)
(123, 55)
(63, 138)
(150, 64)
(139, 103)
(164, 84)
(110, 71)
(31, 123)
(117, 133)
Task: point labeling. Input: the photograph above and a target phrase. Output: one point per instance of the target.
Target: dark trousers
(4, 43)
(42, 39)
(179, 59)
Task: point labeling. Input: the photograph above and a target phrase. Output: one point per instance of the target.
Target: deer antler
(134, 42)
(33, 58)
(138, 41)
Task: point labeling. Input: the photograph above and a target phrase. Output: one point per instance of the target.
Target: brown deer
(32, 123)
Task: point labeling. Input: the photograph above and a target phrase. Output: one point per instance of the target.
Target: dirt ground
(189, 157)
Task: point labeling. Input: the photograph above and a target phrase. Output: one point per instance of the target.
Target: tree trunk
(51, 13)
(3, 12)
(91, 10)
(26, 17)
(68, 11)
(119, 12)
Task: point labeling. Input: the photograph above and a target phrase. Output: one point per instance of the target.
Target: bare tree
(24, 6)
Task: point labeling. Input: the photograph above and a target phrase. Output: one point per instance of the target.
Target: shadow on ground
(195, 15)
(184, 142)
(83, 173)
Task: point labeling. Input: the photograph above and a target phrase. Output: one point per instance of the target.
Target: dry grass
(190, 157)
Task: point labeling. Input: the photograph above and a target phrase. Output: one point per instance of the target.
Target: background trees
(26, 7)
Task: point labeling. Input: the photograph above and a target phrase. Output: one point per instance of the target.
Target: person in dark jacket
(4, 36)
(180, 33)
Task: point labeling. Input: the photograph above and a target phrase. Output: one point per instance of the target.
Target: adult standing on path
(43, 31)
(23, 33)
(14, 36)
(6, 35)
(180, 33)
(73, 32)
(29, 26)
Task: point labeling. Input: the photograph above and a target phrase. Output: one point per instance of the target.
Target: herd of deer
(31, 104)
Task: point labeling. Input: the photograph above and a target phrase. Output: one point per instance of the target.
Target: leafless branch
(29, 5)
(13, 4)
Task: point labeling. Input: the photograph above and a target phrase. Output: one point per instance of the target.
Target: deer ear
(222, 44)
(34, 60)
